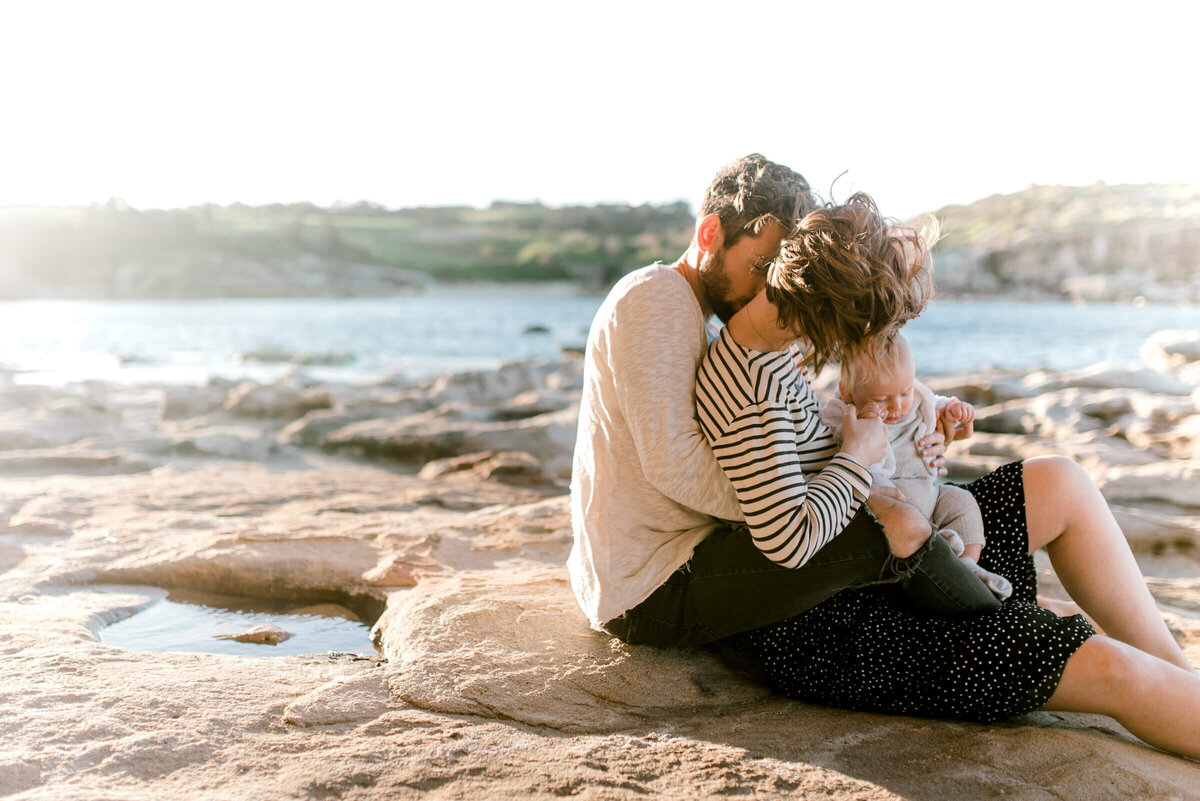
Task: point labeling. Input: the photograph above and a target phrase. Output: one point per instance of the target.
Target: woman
(867, 647)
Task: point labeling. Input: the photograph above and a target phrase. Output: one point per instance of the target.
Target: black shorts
(729, 586)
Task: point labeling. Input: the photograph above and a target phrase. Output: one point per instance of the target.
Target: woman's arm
(790, 518)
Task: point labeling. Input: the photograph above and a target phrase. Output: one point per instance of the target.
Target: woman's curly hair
(846, 278)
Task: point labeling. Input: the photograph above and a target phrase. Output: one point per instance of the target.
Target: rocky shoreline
(441, 505)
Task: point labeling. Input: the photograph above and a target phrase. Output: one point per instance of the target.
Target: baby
(890, 390)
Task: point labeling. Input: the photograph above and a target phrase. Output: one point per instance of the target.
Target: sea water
(187, 341)
(188, 621)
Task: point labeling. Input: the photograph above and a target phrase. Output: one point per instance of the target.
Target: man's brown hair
(752, 192)
(846, 278)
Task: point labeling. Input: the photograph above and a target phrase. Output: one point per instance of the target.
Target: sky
(169, 104)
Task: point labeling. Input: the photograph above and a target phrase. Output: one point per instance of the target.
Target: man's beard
(718, 287)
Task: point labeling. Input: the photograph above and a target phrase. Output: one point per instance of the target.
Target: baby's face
(888, 393)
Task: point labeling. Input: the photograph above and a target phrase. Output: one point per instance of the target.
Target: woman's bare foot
(1066, 609)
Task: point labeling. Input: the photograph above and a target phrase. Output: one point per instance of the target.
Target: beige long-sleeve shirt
(645, 486)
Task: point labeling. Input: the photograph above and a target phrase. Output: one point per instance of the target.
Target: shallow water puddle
(200, 622)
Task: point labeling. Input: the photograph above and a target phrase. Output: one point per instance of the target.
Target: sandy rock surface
(437, 512)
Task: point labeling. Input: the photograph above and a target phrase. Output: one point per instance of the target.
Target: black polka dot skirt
(866, 649)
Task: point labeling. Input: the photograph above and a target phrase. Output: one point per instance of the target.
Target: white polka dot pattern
(865, 649)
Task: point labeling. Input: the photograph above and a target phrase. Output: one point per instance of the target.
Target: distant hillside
(113, 251)
(1094, 242)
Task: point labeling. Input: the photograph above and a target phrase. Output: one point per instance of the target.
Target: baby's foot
(953, 540)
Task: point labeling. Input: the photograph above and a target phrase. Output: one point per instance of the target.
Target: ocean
(187, 341)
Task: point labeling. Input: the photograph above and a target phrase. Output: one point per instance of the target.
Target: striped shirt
(763, 422)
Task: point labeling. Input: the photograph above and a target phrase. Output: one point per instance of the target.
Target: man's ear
(709, 234)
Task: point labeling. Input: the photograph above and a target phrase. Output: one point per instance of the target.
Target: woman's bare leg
(1069, 517)
(1157, 701)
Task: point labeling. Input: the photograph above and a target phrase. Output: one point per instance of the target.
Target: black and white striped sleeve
(789, 518)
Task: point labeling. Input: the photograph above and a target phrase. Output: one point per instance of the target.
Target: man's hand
(956, 420)
(906, 530)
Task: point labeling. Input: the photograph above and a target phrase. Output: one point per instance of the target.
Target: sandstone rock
(254, 563)
(1104, 376)
(549, 437)
(250, 399)
(446, 413)
(263, 635)
(10, 557)
(28, 396)
(533, 403)
(511, 467)
(1181, 441)
(60, 421)
(313, 428)
(348, 699)
(452, 464)
(489, 387)
(490, 639)
(36, 526)
(515, 645)
(229, 442)
(400, 570)
(1167, 350)
(1147, 531)
(181, 403)
(1169, 427)
(985, 390)
(537, 532)
(72, 460)
(1172, 482)
(567, 378)
(277, 356)
(1051, 415)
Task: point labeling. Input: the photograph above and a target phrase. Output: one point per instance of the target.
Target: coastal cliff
(1093, 243)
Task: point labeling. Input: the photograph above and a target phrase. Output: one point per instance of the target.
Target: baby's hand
(956, 420)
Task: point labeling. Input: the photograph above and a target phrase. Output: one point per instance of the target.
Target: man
(646, 490)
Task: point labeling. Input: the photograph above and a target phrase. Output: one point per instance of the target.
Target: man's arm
(653, 357)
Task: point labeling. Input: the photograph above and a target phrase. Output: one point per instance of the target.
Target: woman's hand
(933, 451)
(864, 438)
